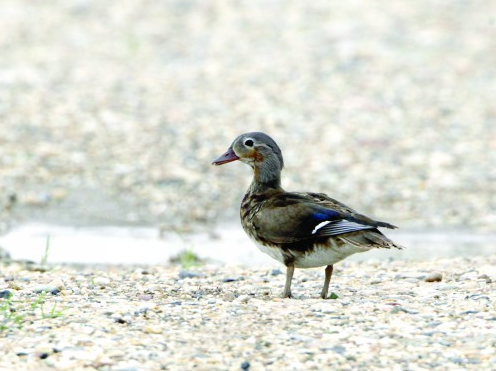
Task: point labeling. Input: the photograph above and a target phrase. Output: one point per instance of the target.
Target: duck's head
(259, 151)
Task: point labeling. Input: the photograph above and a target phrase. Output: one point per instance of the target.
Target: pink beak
(229, 156)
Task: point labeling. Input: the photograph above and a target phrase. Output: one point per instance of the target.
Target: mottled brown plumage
(301, 230)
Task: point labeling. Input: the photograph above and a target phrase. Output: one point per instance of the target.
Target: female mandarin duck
(301, 230)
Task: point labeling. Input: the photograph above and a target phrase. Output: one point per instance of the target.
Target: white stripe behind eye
(320, 225)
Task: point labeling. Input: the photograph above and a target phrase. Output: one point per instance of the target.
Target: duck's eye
(249, 143)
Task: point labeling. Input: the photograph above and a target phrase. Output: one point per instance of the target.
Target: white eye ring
(249, 143)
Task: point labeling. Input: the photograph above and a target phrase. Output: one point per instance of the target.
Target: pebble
(54, 290)
(5, 294)
(153, 288)
(152, 330)
(15, 286)
(434, 277)
(446, 287)
(243, 299)
(188, 274)
(57, 283)
(486, 278)
(38, 268)
(101, 282)
(339, 349)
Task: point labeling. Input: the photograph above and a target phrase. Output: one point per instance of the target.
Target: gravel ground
(386, 316)
(111, 112)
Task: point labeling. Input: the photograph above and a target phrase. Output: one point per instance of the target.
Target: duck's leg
(325, 289)
(289, 276)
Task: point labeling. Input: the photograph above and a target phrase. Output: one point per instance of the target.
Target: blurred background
(111, 112)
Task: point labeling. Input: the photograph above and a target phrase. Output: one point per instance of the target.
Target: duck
(298, 229)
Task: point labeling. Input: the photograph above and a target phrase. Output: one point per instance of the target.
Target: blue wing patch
(325, 214)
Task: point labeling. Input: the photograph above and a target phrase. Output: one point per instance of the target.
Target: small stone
(229, 279)
(403, 275)
(470, 312)
(434, 277)
(228, 297)
(123, 320)
(446, 287)
(243, 299)
(54, 290)
(14, 285)
(188, 274)
(152, 330)
(397, 309)
(104, 361)
(468, 276)
(275, 272)
(57, 283)
(5, 294)
(486, 278)
(145, 297)
(101, 282)
(37, 268)
(58, 194)
(339, 349)
(245, 365)
(141, 311)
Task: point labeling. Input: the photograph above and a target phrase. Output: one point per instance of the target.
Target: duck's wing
(295, 217)
(330, 203)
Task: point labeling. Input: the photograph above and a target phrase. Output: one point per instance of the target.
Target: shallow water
(124, 245)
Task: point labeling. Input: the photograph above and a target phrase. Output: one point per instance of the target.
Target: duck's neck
(264, 181)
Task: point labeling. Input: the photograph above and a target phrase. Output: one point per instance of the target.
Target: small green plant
(10, 318)
(40, 302)
(333, 296)
(44, 258)
(40, 299)
(13, 317)
(187, 259)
